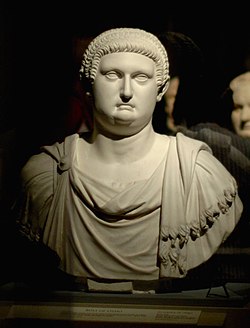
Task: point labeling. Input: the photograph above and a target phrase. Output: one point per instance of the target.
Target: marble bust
(123, 202)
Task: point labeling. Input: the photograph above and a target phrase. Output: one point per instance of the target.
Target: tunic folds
(159, 227)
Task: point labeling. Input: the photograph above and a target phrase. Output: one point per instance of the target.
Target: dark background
(37, 65)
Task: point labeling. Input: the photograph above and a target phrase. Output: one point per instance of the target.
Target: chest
(122, 172)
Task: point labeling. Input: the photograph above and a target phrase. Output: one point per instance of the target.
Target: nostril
(125, 98)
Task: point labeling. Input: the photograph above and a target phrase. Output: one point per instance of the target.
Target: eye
(112, 75)
(237, 107)
(141, 77)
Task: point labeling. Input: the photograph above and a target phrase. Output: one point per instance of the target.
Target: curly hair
(125, 40)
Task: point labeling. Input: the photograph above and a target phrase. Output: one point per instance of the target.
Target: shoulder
(182, 140)
(198, 163)
(44, 162)
(36, 165)
(187, 141)
(190, 150)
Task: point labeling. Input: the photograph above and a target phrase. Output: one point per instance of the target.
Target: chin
(244, 134)
(123, 122)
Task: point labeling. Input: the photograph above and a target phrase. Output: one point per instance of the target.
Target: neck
(123, 150)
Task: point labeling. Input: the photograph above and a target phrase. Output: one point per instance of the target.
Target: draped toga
(159, 227)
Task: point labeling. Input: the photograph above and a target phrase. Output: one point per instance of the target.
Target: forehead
(122, 60)
(242, 92)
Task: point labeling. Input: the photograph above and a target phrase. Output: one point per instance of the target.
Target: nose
(126, 89)
(245, 113)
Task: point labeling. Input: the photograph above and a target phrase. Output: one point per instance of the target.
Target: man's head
(240, 115)
(131, 40)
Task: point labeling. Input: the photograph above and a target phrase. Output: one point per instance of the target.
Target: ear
(163, 91)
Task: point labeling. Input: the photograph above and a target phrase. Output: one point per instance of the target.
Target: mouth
(125, 107)
(246, 126)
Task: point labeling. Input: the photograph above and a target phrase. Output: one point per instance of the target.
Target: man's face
(125, 93)
(241, 114)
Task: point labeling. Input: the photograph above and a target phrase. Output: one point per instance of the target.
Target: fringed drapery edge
(173, 262)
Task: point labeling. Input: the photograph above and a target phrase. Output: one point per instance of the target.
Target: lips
(125, 107)
(246, 126)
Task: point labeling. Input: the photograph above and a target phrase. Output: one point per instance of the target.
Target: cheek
(148, 104)
(235, 117)
(102, 94)
(149, 96)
